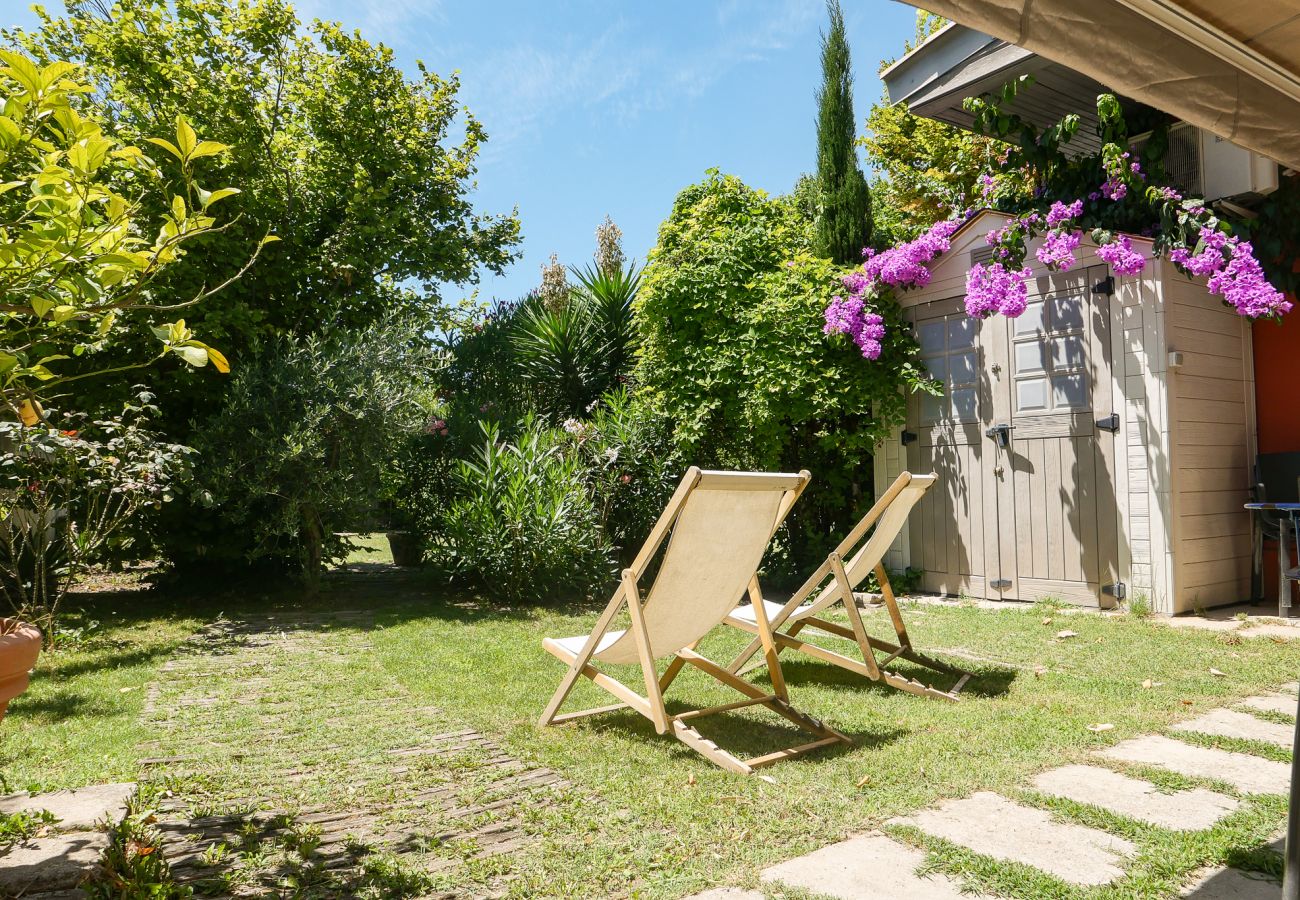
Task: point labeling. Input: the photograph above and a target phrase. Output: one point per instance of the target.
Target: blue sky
(596, 107)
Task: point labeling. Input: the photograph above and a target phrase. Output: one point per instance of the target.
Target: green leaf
(195, 356)
(168, 146)
(186, 139)
(207, 148)
(7, 362)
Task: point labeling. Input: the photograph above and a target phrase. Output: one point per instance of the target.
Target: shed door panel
(1057, 473)
(954, 528)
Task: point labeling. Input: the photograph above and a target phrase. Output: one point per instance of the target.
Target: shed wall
(1212, 411)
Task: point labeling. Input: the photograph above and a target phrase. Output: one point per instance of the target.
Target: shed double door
(1026, 503)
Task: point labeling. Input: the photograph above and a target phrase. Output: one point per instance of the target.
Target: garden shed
(1097, 447)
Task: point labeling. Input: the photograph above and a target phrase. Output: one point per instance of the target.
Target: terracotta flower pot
(20, 643)
(406, 548)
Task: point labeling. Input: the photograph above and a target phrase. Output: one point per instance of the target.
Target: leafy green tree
(844, 225)
(730, 315)
(364, 174)
(90, 230)
(299, 451)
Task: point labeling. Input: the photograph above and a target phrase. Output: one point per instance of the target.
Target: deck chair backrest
(891, 520)
(718, 539)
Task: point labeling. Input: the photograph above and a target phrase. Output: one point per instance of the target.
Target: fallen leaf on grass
(1040, 671)
(768, 778)
(1148, 683)
(1066, 633)
(1104, 726)
(864, 781)
(1217, 674)
(127, 690)
(1185, 702)
(690, 779)
(1047, 621)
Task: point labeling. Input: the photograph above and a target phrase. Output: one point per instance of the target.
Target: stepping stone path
(871, 867)
(1233, 724)
(68, 851)
(995, 826)
(1248, 774)
(1275, 703)
(448, 793)
(1232, 884)
(877, 867)
(1181, 811)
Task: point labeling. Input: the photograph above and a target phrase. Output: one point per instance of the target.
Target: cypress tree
(844, 223)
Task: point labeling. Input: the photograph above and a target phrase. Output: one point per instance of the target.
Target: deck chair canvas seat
(833, 584)
(716, 528)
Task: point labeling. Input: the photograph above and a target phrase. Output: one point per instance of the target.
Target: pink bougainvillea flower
(1057, 251)
(1121, 256)
(993, 289)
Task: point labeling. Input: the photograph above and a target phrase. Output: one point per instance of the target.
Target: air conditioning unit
(1203, 164)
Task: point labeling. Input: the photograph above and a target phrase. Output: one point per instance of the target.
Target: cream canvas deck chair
(720, 523)
(833, 583)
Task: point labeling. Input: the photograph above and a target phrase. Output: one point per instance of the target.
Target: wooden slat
(1093, 502)
(1215, 526)
(1074, 592)
(1194, 480)
(1205, 503)
(1193, 386)
(1207, 366)
(1192, 575)
(1223, 344)
(1052, 500)
(1212, 411)
(1038, 503)
(1209, 434)
(1228, 546)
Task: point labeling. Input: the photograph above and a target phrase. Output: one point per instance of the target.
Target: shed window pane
(1031, 320)
(1067, 314)
(1068, 390)
(1067, 353)
(930, 337)
(1031, 357)
(963, 404)
(1031, 394)
(961, 368)
(961, 332)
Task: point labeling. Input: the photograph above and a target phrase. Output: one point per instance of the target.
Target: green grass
(308, 725)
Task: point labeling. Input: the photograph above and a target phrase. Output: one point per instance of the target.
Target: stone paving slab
(1230, 723)
(1232, 884)
(727, 893)
(995, 826)
(79, 809)
(870, 867)
(1275, 703)
(1182, 810)
(1249, 774)
(55, 863)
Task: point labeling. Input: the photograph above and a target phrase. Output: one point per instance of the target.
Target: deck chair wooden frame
(833, 583)
(656, 633)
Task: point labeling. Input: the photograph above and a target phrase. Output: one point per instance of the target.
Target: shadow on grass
(986, 681)
(96, 661)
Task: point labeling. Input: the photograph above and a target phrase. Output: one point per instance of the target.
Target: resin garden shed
(1096, 448)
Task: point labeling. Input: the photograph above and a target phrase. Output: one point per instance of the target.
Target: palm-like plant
(574, 352)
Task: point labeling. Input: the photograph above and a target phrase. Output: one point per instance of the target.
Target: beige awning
(1229, 66)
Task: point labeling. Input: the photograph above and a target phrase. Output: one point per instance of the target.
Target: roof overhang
(1231, 68)
(958, 62)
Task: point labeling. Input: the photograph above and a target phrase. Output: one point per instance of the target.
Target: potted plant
(20, 643)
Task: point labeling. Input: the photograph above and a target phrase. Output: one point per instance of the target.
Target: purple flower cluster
(1235, 274)
(1121, 256)
(1114, 189)
(1211, 258)
(851, 317)
(994, 289)
(905, 266)
(1057, 251)
(1061, 213)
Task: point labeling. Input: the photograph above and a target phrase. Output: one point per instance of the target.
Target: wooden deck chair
(833, 583)
(720, 523)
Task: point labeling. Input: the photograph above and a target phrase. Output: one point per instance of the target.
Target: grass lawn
(309, 719)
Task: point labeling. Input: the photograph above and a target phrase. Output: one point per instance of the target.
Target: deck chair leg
(583, 658)
(770, 649)
(745, 655)
(891, 603)
(855, 618)
(653, 695)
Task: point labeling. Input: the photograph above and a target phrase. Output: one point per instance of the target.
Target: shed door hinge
(1118, 590)
(1109, 423)
(1105, 286)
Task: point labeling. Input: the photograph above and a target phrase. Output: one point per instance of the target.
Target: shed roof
(1232, 68)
